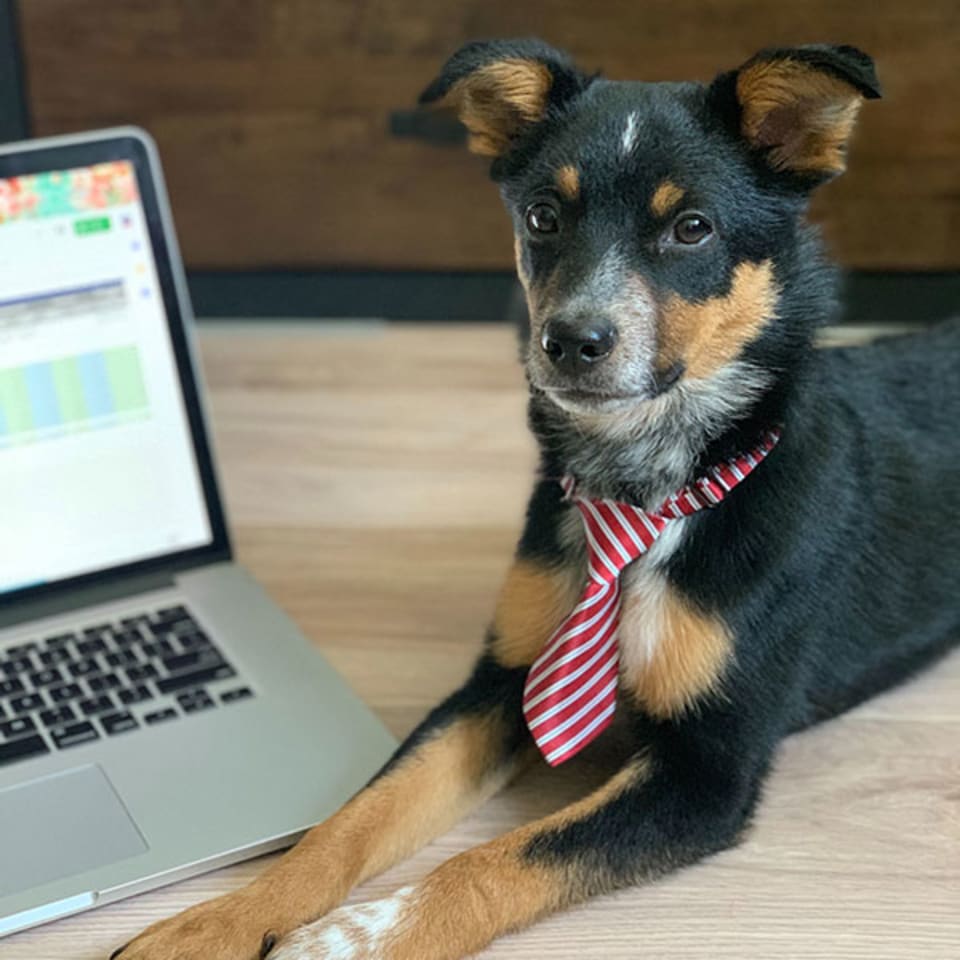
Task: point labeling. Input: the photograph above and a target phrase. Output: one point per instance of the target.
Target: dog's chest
(671, 653)
(645, 600)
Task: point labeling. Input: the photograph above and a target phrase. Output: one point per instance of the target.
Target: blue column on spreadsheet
(96, 384)
(3, 424)
(44, 405)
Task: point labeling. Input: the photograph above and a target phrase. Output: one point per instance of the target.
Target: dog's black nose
(573, 344)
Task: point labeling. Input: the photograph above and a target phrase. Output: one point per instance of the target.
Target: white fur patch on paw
(362, 932)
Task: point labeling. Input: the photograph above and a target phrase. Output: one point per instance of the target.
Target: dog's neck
(645, 453)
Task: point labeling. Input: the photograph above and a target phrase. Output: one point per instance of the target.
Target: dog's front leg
(463, 752)
(664, 809)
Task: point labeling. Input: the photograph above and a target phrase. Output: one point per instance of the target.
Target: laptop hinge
(86, 596)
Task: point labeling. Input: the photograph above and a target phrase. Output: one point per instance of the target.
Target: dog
(748, 534)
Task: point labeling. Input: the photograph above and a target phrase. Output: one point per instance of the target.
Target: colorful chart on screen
(97, 467)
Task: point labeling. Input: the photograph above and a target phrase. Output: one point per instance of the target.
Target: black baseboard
(389, 295)
(870, 297)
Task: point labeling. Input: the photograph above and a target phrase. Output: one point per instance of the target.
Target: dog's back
(898, 403)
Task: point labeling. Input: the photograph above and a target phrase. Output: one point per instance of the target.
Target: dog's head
(658, 226)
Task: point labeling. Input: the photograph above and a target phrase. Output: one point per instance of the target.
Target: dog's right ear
(502, 88)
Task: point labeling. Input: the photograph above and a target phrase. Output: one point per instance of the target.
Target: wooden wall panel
(272, 115)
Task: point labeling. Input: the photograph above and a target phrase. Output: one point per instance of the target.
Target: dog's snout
(576, 343)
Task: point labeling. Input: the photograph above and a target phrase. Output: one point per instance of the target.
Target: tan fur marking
(534, 601)
(805, 115)
(568, 181)
(497, 100)
(704, 336)
(665, 198)
(423, 796)
(688, 661)
(489, 890)
(521, 271)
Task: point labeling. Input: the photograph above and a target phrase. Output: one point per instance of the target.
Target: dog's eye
(542, 218)
(692, 228)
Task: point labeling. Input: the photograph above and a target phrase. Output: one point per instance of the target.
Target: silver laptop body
(159, 715)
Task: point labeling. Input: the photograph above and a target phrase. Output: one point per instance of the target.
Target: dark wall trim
(14, 116)
(869, 297)
(391, 295)
(893, 297)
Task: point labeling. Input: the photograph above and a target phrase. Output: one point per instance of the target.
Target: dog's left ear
(502, 88)
(797, 106)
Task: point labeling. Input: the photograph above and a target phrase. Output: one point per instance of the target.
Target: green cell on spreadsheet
(69, 387)
(126, 379)
(91, 225)
(15, 401)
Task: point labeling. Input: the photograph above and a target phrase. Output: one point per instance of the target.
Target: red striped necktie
(571, 689)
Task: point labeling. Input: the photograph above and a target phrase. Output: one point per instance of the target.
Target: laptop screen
(97, 462)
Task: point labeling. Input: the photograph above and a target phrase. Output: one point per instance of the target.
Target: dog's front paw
(367, 931)
(222, 929)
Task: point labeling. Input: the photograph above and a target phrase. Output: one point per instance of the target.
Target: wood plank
(274, 124)
(856, 850)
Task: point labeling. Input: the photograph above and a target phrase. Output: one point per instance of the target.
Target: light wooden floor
(375, 480)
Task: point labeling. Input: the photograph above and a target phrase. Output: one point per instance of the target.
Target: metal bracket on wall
(434, 126)
(14, 116)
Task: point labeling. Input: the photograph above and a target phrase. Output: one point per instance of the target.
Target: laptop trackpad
(62, 825)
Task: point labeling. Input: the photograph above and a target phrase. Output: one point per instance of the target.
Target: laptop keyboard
(109, 679)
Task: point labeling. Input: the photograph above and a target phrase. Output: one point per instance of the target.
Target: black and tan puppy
(674, 291)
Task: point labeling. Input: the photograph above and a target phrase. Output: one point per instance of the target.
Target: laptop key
(132, 695)
(21, 650)
(97, 630)
(239, 693)
(60, 640)
(69, 691)
(190, 661)
(159, 648)
(122, 639)
(134, 622)
(114, 723)
(46, 678)
(194, 640)
(198, 678)
(172, 614)
(17, 727)
(27, 702)
(158, 716)
(95, 705)
(84, 667)
(109, 681)
(91, 646)
(146, 671)
(57, 716)
(9, 687)
(73, 734)
(22, 748)
(123, 658)
(17, 665)
(53, 656)
(194, 701)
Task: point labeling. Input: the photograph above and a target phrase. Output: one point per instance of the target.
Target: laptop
(159, 715)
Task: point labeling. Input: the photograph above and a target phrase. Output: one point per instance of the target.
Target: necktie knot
(617, 534)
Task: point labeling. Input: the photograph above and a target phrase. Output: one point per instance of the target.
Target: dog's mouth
(578, 400)
(593, 400)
